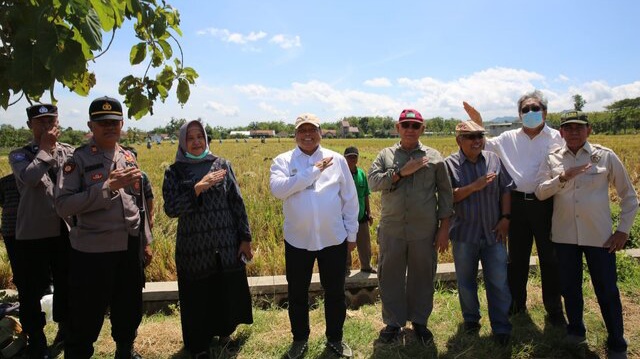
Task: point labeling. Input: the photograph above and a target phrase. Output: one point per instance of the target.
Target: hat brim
(351, 154)
(410, 120)
(44, 115)
(581, 122)
(107, 117)
(303, 122)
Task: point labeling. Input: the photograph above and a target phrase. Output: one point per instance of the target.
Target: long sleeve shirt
(320, 207)
(581, 212)
(522, 155)
(36, 173)
(412, 206)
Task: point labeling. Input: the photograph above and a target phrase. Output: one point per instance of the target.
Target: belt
(524, 196)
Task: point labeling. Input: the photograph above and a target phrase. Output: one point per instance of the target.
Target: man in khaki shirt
(417, 201)
(578, 176)
(100, 187)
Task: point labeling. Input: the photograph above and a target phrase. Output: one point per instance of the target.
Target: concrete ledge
(361, 288)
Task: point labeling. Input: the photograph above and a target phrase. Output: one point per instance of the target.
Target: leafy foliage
(47, 41)
(578, 102)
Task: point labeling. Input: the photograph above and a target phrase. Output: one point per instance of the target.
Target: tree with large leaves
(44, 42)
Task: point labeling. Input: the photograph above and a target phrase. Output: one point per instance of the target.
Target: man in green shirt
(363, 240)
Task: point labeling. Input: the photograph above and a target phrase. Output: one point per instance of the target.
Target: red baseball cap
(410, 115)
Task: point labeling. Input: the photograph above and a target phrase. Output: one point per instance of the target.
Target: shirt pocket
(596, 176)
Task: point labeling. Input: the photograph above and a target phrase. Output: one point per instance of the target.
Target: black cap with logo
(41, 110)
(105, 108)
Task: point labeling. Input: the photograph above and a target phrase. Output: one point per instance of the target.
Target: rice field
(251, 162)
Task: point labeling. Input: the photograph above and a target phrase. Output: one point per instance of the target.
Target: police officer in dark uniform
(42, 240)
(100, 188)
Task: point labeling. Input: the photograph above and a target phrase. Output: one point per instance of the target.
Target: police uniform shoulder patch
(16, 157)
(69, 167)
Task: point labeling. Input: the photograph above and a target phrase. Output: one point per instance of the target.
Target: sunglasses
(473, 136)
(413, 125)
(533, 108)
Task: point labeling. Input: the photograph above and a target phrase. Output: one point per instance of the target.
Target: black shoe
(423, 334)
(297, 349)
(341, 349)
(126, 352)
(502, 339)
(389, 334)
(369, 270)
(471, 328)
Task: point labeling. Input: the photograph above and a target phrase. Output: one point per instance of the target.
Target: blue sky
(268, 61)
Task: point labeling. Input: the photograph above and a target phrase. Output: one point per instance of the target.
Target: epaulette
(601, 147)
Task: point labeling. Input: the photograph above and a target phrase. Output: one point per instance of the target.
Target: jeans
(494, 269)
(602, 268)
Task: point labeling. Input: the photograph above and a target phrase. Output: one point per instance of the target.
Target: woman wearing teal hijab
(213, 242)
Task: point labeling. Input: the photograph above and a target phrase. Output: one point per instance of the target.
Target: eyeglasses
(473, 136)
(307, 130)
(413, 125)
(533, 108)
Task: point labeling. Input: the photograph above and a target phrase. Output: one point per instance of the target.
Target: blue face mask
(199, 157)
(532, 119)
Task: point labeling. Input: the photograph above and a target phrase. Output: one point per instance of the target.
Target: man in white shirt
(321, 222)
(578, 176)
(522, 151)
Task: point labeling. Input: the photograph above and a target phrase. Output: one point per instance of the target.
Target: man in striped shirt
(482, 202)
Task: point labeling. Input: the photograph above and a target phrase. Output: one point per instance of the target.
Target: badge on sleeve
(97, 176)
(94, 149)
(69, 167)
(17, 157)
(129, 157)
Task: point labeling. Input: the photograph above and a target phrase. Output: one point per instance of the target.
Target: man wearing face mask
(522, 151)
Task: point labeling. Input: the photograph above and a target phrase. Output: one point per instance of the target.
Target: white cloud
(286, 41)
(562, 78)
(272, 110)
(233, 37)
(224, 110)
(378, 82)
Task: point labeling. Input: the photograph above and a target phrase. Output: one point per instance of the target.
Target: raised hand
(324, 163)
(474, 115)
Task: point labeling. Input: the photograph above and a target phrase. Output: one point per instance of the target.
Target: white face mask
(532, 119)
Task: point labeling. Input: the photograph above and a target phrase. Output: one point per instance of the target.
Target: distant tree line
(620, 117)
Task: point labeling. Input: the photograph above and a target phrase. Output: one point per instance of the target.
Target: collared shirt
(362, 187)
(412, 206)
(320, 207)
(36, 173)
(581, 212)
(522, 155)
(477, 215)
(103, 220)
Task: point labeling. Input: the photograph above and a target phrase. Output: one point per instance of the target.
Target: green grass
(269, 337)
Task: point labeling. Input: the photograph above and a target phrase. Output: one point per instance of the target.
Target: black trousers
(37, 262)
(299, 267)
(10, 246)
(531, 219)
(99, 281)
